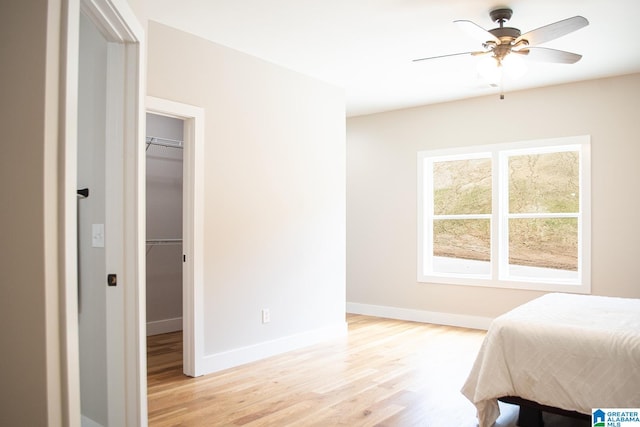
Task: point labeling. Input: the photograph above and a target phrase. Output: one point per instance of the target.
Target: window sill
(576, 288)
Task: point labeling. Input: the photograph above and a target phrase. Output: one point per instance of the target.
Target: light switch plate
(97, 235)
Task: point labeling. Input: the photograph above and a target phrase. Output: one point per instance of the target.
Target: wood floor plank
(384, 373)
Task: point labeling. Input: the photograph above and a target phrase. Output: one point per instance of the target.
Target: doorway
(164, 188)
(169, 114)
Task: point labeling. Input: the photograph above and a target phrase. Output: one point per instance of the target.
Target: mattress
(573, 352)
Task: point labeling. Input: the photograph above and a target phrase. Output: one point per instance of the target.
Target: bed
(568, 352)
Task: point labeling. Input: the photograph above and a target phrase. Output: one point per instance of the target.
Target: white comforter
(574, 352)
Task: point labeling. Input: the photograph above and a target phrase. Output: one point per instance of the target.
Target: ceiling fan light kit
(494, 72)
(499, 43)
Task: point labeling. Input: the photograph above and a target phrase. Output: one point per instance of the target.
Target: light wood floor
(385, 373)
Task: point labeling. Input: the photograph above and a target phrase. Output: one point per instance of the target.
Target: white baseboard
(164, 326)
(88, 422)
(439, 318)
(229, 359)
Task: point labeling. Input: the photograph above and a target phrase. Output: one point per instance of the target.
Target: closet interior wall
(164, 223)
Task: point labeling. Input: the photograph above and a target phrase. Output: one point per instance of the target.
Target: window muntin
(507, 215)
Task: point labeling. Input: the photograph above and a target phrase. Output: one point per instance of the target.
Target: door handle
(112, 280)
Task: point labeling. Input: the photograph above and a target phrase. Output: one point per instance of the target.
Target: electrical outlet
(266, 315)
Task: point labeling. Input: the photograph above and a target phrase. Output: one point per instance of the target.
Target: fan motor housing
(506, 32)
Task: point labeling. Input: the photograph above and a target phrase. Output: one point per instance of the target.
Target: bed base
(531, 412)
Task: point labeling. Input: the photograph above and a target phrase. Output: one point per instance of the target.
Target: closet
(164, 143)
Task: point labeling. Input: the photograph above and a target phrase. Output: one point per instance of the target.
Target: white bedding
(574, 352)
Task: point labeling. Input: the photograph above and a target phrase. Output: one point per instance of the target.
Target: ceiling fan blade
(549, 55)
(553, 31)
(451, 54)
(476, 31)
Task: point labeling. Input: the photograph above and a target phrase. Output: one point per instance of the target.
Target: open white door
(109, 158)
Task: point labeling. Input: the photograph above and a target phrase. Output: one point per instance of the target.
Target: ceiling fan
(502, 41)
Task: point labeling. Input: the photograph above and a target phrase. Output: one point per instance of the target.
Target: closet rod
(164, 142)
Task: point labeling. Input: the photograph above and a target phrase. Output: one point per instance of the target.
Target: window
(507, 215)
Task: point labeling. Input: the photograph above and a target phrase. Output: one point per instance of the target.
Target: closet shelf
(161, 242)
(155, 242)
(164, 142)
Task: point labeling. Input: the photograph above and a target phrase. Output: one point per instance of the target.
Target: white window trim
(498, 277)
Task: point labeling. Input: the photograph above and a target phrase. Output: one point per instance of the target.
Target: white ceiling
(366, 46)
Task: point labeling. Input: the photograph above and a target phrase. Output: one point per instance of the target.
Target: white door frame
(192, 229)
(126, 318)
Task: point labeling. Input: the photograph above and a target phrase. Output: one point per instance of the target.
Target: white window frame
(499, 266)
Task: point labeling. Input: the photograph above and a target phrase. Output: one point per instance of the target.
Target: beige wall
(29, 365)
(381, 188)
(274, 183)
